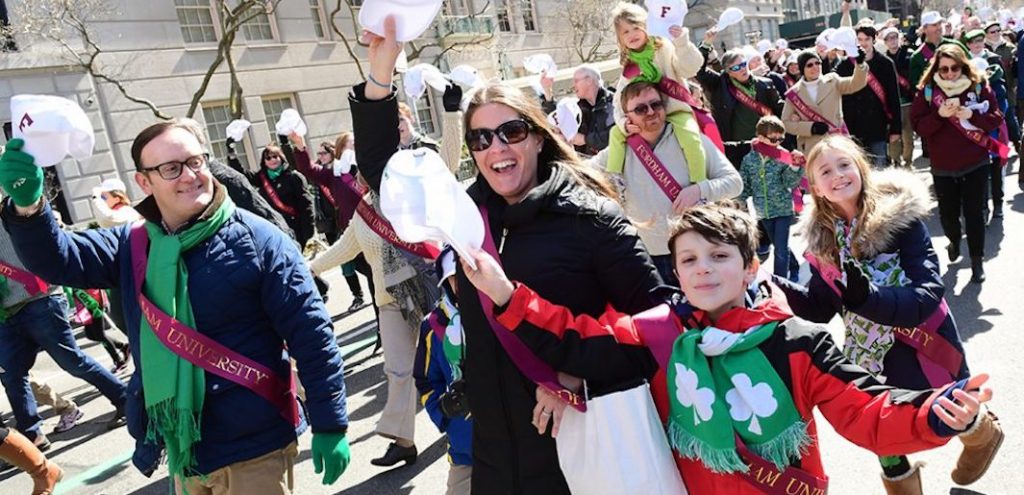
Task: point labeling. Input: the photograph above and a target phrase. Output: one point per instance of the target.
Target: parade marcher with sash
(33, 318)
(738, 98)
(872, 263)
(931, 29)
(668, 169)
(212, 297)
(735, 377)
(1007, 52)
(958, 137)
(873, 113)
(901, 151)
(285, 190)
(814, 104)
(982, 57)
(557, 226)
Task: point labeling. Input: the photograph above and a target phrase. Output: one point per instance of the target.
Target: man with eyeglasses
(738, 99)
(1007, 52)
(221, 300)
(703, 173)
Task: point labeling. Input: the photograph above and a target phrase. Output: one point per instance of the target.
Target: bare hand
(488, 277)
(383, 54)
(798, 158)
(964, 113)
(958, 415)
(687, 198)
(947, 109)
(298, 142)
(844, 6)
(549, 407)
(675, 31)
(548, 84)
(893, 138)
(710, 34)
(632, 128)
(579, 139)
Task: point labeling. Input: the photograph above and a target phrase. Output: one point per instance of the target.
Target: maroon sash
(754, 105)
(812, 114)
(653, 165)
(979, 138)
(204, 352)
(33, 284)
(879, 91)
(659, 328)
(927, 51)
(774, 152)
(382, 227)
(939, 360)
(326, 191)
(902, 81)
(708, 127)
(271, 193)
(790, 81)
(535, 369)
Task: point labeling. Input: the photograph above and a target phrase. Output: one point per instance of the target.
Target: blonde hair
(824, 214)
(554, 151)
(121, 197)
(633, 15)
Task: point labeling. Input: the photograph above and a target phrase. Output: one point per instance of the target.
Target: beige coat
(831, 88)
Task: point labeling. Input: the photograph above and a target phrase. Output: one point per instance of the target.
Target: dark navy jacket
(251, 291)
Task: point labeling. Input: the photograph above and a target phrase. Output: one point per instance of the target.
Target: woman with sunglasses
(814, 105)
(554, 224)
(738, 99)
(285, 190)
(953, 112)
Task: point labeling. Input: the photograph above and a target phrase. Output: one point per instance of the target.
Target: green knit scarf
(644, 59)
(274, 173)
(721, 385)
(173, 387)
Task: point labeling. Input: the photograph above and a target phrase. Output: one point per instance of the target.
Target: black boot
(396, 454)
(997, 210)
(953, 250)
(977, 270)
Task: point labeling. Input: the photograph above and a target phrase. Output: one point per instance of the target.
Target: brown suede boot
(22, 454)
(981, 443)
(908, 483)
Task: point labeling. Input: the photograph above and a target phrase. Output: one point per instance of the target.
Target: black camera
(454, 403)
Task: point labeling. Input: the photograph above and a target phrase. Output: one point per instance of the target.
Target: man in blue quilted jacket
(216, 300)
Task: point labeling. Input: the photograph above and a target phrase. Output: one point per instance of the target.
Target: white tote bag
(617, 447)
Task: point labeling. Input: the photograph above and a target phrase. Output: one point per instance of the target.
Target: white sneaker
(68, 420)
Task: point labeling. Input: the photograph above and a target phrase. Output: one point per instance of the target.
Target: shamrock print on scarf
(689, 395)
(749, 401)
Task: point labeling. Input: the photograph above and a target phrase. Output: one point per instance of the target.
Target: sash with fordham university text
(33, 284)
(382, 227)
(979, 138)
(653, 166)
(271, 193)
(812, 114)
(754, 105)
(204, 352)
(660, 328)
(672, 88)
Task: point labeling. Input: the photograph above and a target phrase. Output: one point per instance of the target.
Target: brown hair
(634, 15)
(720, 223)
(555, 151)
(634, 89)
(957, 54)
(328, 147)
(769, 124)
(342, 142)
(272, 149)
(825, 214)
(152, 132)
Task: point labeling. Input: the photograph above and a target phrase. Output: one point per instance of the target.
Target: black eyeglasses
(994, 31)
(511, 132)
(812, 63)
(646, 108)
(946, 69)
(173, 169)
(775, 140)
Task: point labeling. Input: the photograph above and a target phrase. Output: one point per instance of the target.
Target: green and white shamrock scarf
(454, 344)
(867, 342)
(721, 385)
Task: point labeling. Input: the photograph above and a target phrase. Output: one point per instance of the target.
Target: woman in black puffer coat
(559, 231)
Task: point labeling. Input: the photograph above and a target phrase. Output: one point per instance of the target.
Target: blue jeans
(878, 154)
(778, 233)
(42, 324)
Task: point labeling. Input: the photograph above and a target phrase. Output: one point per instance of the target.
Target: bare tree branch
(344, 38)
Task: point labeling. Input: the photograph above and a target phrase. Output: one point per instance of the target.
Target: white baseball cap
(764, 46)
(887, 31)
(466, 76)
(412, 17)
(52, 127)
(290, 121)
(418, 77)
(424, 202)
(236, 129)
(663, 14)
(568, 116)
(112, 185)
(541, 62)
(728, 17)
(822, 38)
(930, 17)
(781, 44)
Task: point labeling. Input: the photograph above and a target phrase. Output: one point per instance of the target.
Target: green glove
(20, 178)
(330, 455)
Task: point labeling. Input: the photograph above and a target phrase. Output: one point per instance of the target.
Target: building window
(529, 15)
(195, 18)
(424, 108)
(320, 26)
(260, 26)
(356, 3)
(273, 106)
(504, 23)
(218, 116)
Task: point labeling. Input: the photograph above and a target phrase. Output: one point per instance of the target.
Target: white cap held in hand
(412, 17)
(52, 127)
(290, 121)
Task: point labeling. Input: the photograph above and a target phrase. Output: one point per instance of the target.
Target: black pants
(363, 267)
(996, 175)
(964, 195)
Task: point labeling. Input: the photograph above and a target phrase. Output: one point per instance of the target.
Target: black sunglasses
(775, 140)
(645, 108)
(511, 132)
(946, 69)
(173, 169)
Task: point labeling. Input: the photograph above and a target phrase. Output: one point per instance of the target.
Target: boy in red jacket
(737, 375)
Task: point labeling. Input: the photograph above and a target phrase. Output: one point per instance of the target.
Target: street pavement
(97, 461)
